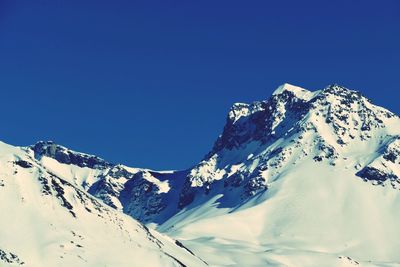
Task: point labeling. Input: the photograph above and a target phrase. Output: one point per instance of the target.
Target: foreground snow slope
(305, 218)
(47, 221)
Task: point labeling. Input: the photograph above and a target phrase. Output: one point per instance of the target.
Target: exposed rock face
(110, 184)
(386, 166)
(138, 192)
(64, 155)
(10, 258)
(141, 197)
(261, 121)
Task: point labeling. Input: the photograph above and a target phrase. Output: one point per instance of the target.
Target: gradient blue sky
(149, 83)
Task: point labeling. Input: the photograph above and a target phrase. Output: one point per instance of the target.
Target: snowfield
(318, 218)
(46, 221)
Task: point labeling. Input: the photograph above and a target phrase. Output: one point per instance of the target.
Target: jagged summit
(290, 93)
(239, 110)
(288, 87)
(296, 90)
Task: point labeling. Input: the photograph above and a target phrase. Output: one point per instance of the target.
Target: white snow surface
(304, 219)
(47, 221)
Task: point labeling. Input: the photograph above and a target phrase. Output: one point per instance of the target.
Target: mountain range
(300, 179)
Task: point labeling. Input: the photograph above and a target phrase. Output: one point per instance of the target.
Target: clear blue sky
(149, 83)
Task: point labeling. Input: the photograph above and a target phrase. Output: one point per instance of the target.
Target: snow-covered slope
(300, 179)
(142, 193)
(48, 221)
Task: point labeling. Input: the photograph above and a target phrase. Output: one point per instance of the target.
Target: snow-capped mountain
(261, 139)
(300, 179)
(142, 193)
(47, 221)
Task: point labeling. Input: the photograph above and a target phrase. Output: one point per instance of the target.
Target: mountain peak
(296, 90)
